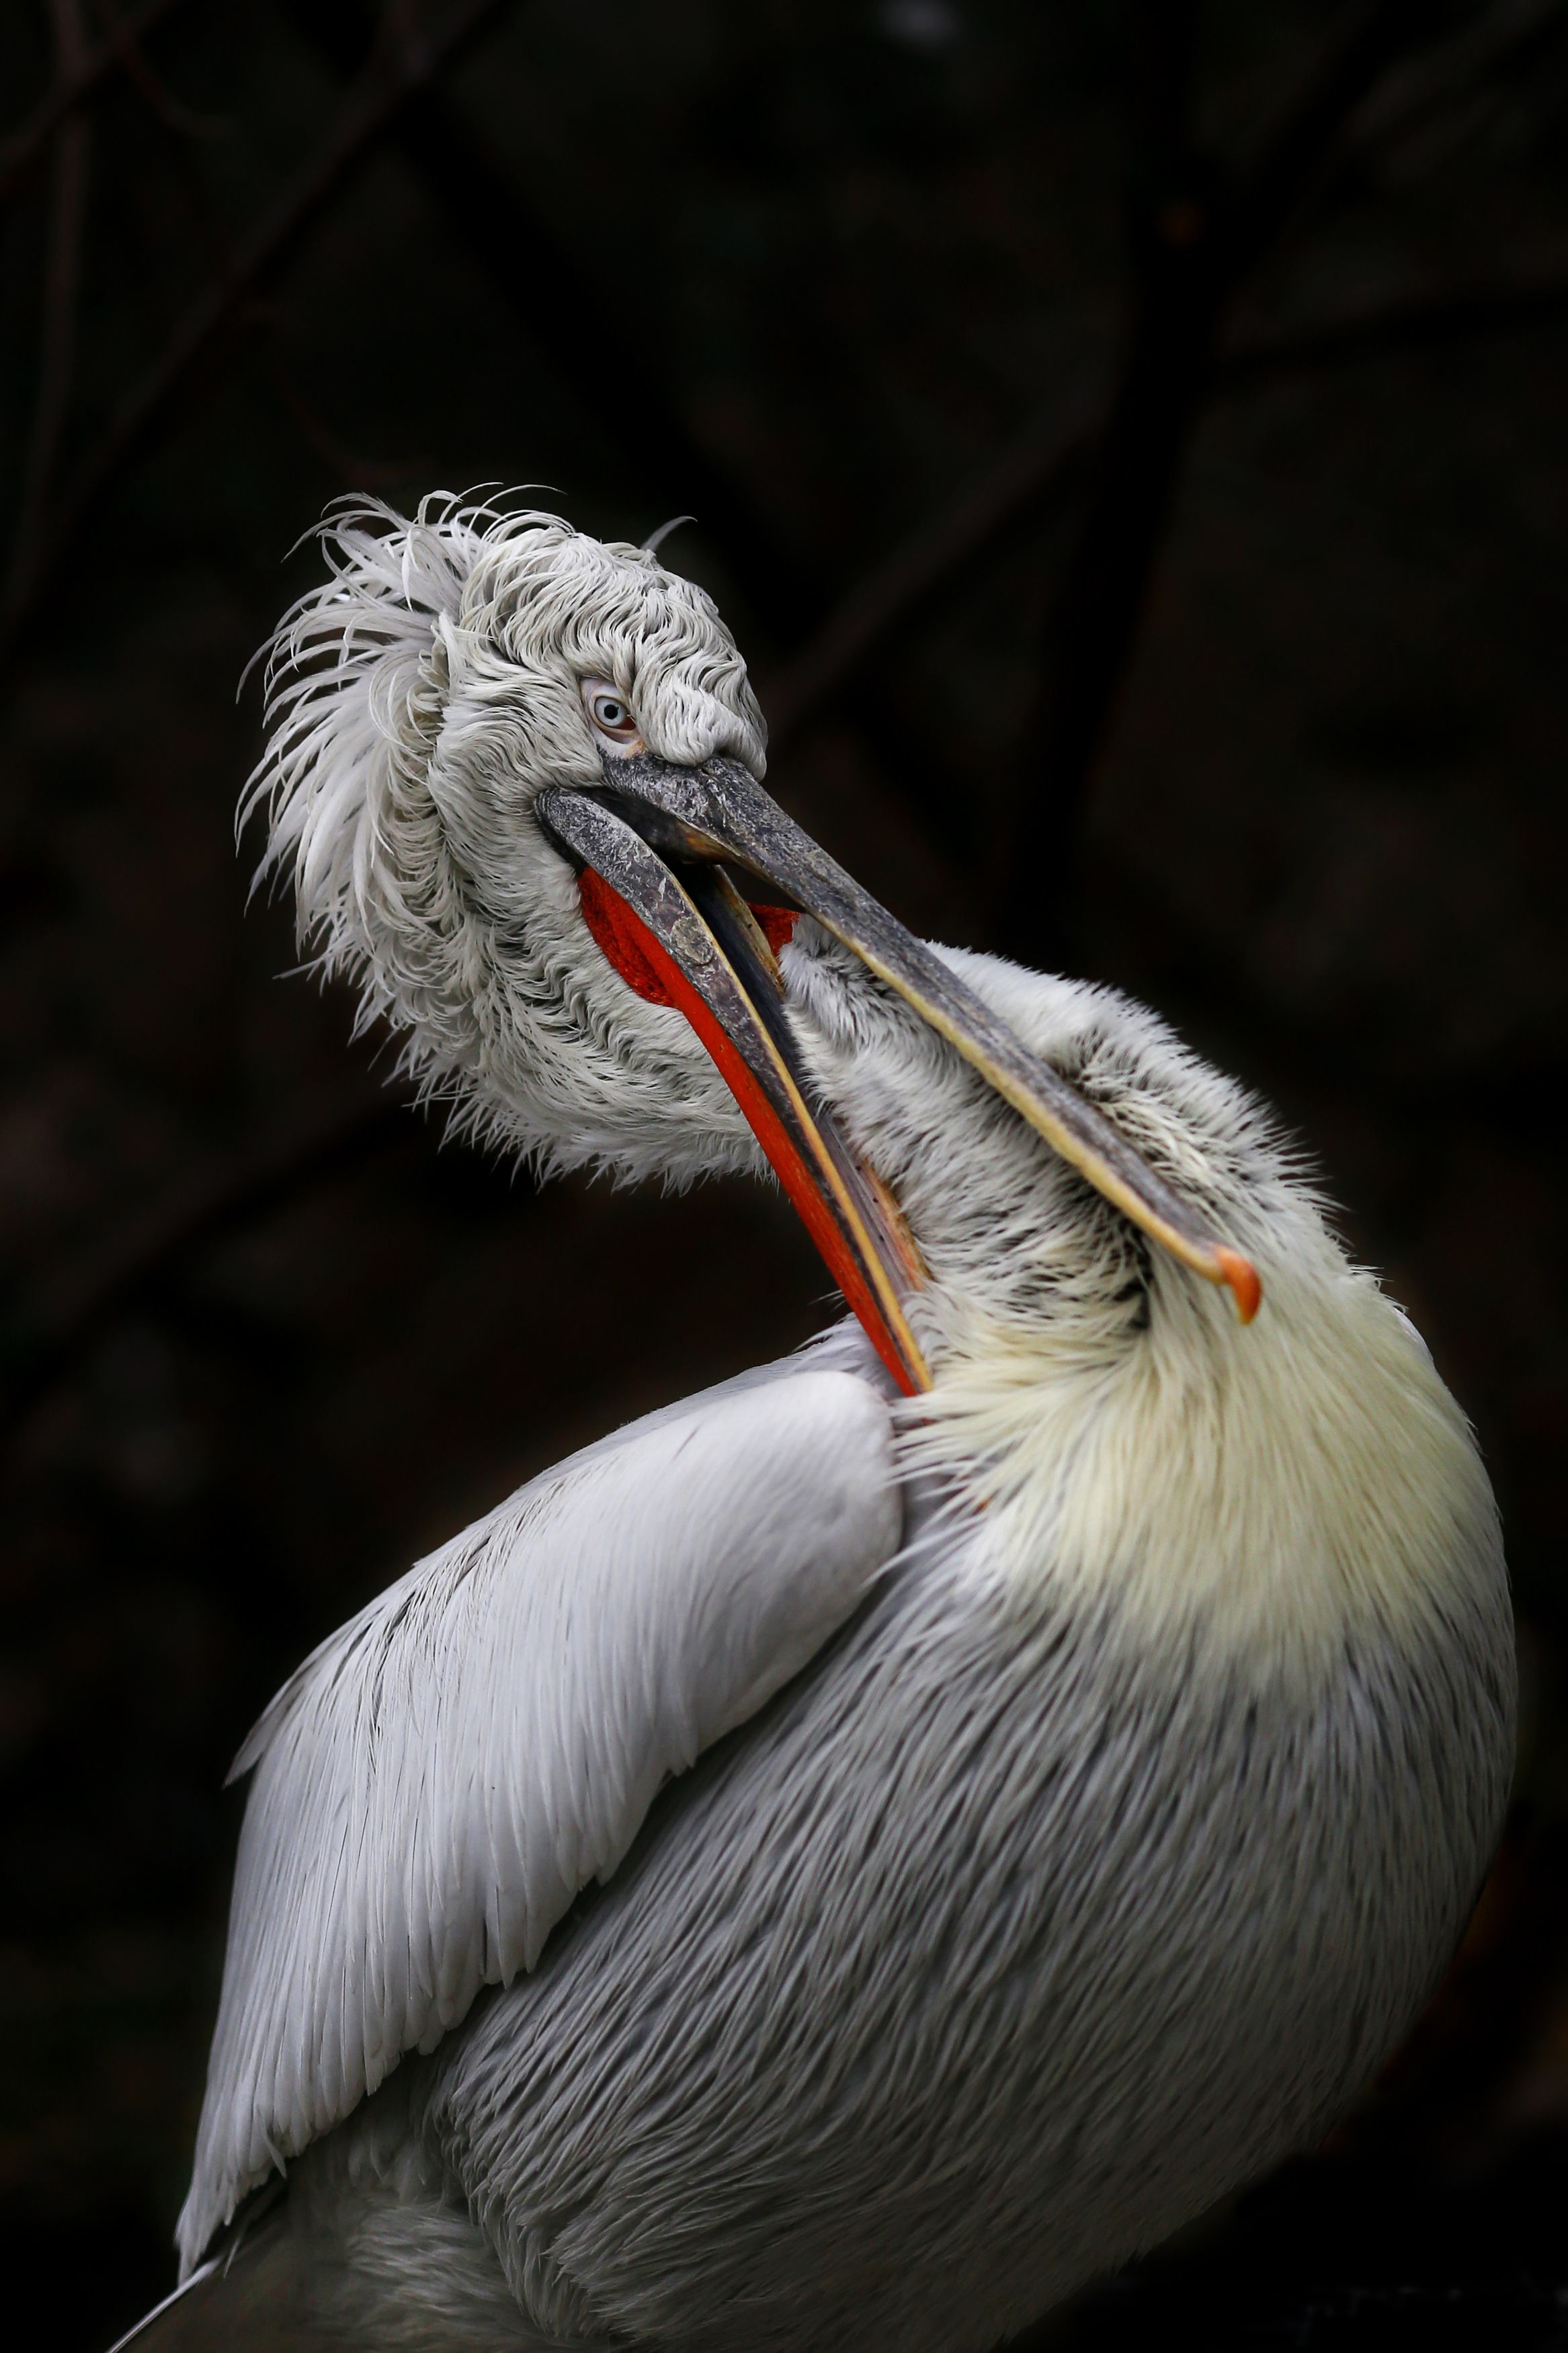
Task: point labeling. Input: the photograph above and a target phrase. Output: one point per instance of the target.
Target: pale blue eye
(610, 711)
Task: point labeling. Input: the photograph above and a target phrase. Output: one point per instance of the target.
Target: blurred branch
(365, 116)
(548, 285)
(1514, 1093)
(1191, 250)
(1047, 458)
(25, 150)
(1035, 468)
(1405, 98)
(182, 120)
(1253, 215)
(359, 473)
(62, 278)
(228, 1195)
(1171, 368)
(1411, 324)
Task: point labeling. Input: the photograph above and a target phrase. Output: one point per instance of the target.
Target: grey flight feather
(446, 1773)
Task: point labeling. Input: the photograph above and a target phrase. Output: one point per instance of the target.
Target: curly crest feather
(417, 702)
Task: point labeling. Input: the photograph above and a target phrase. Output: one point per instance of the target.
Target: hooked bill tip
(1245, 1287)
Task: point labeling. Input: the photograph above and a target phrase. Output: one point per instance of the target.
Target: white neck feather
(1257, 1492)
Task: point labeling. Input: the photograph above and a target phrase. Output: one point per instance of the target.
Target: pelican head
(514, 776)
(454, 668)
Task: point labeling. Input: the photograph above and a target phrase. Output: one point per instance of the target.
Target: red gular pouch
(775, 923)
(620, 937)
(645, 965)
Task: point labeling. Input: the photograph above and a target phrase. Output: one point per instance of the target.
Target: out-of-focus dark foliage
(1130, 440)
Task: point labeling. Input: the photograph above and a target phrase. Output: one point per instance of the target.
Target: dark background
(1129, 443)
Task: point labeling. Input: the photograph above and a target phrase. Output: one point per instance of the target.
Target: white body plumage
(1083, 1767)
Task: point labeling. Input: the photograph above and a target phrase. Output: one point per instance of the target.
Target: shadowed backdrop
(1128, 441)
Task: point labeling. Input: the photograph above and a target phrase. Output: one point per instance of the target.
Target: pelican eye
(610, 715)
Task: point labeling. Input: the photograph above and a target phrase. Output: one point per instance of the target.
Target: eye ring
(610, 715)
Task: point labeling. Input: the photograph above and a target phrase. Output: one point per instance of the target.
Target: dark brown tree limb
(21, 155)
(1178, 291)
(182, 119)
(50, 1341)
(1191, 250)
(355, 471)
(365, 116)
(1252, 215)
(1417, 323)
(1042, 462)
(1049, 455)
(548, 288)
(1034, 470)
(1503, 38)
(231, 1194)
(61, 281)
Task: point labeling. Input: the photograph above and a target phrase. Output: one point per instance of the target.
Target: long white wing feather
(446, 1773)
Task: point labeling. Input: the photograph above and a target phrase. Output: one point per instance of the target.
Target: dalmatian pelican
(853, 1856)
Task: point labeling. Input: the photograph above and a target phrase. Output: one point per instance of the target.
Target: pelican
(856, 1855)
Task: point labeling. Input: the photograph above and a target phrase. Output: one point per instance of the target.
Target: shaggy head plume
(417, 704)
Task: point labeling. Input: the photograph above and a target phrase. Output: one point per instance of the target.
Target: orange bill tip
(1239, 1272)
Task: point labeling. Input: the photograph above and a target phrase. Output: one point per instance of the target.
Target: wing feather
(444, 1775)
